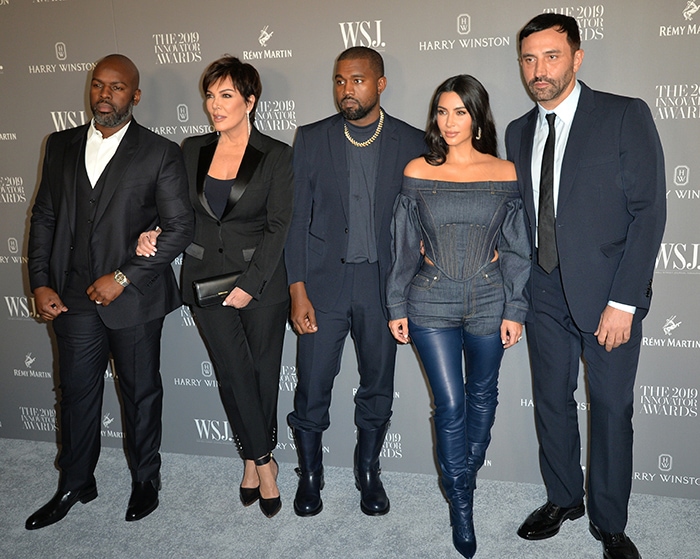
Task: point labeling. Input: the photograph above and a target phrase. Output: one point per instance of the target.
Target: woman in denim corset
(461, 259)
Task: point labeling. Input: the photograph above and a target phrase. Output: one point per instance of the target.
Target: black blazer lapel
(246, 170)
(525, 156)
(74, 157)
(206, 154)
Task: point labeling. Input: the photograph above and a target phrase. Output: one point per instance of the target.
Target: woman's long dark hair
(476, 101)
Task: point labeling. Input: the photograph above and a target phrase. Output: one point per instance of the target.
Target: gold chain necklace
(364, 144)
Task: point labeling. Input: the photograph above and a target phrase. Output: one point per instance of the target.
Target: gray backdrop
(642, 48)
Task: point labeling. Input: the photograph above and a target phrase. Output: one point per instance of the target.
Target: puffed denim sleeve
(515, 256)
(405, 255)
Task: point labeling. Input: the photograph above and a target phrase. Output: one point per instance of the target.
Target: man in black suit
(591, 171)
(102, 184)
(348, 171)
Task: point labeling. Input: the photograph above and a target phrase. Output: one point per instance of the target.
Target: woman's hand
(511, 333)
(238, 299)
(147, 243)
(399, 329)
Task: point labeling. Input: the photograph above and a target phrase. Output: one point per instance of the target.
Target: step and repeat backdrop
(640, 48)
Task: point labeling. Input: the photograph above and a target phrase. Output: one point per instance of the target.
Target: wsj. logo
(677, 258)
(690, 10)
(665, 462)
(183, 113)
(61, 53)
(264, 36)
(207, 370)
(29, 360)
(21, 307)
(670, 325)
(681, 175)
(359, 33)
(213, 430)
(63, 120)
(464, 24)
(12, 245)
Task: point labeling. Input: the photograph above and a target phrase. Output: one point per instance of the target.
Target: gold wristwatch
(120, 278)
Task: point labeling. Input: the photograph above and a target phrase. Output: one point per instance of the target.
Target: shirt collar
(564, 110)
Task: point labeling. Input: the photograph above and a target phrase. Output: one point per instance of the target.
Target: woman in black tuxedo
(240, 185)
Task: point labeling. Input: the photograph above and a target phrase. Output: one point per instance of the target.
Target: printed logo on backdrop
(207, 381)
(62, 65)
(107, 432)
(678, 258)
(20, 307)
(362, 34)
(529, 403)
(13, 248)
(288, 378)
(680, 101)
(177, 48)
(289, 444)
(671, 339)
(589, 18)
(266, 53)
(213, 431)
(182, 114)
(186, 316)
(38, 419)
(63, 120)
(681, 179)
(276, 114)
(668, 401)
(687, 25)
(111, 372)
(464, 27)
(392, 446)
(12, 190)
(8, 136)
(29, 371)
(665, 465)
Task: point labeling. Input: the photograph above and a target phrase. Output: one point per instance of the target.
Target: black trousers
(358, 312)
(245, 347)
(84, 344)
(556, 345)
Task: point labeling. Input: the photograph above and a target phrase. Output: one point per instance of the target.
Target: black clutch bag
(213, 291)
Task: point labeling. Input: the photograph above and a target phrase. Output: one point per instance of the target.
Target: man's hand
(399, 329)
(238, 299)
(511, 332)
(302, 314)
(48, 303)
(104, 290)
(147, 243)
(614, 327)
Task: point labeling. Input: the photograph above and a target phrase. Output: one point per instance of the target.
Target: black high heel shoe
(249, 495)
(269, 507)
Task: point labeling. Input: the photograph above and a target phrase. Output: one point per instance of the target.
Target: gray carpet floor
(200, 516)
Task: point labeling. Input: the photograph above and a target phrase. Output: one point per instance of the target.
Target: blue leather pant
(464, 411)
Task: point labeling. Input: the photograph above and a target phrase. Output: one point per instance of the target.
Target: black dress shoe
(249, 495)
(615, 546)
(59, 505)
(546, 521)
(144, 499)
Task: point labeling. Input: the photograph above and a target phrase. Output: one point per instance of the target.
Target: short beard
(115, 118)
(554, 92)
(357, 113)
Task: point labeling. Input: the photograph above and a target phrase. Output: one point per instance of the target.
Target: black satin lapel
(75, 153)
(246, 170)
(206, 154)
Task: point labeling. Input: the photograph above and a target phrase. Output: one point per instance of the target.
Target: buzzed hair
(375, 59)
(126, 62)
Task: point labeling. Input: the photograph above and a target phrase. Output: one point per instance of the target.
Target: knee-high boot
(373, 498)
(307, 501)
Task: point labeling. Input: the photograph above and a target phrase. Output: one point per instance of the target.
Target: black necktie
(546, 239)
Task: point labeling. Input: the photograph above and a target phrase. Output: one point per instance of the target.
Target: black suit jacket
(250, 236)
(318, 237)
(611, 208)
(145, 185)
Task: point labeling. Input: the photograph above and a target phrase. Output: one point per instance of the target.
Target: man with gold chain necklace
(348, 170)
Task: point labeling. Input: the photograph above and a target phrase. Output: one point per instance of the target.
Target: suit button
(221, 250)
(346, 230)
(342, 260)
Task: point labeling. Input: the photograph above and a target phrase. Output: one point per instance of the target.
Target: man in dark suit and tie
(348, 170)
(101, 185)
(591, 171)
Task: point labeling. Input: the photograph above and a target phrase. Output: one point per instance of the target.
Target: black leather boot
(373, 499)
(307, 501)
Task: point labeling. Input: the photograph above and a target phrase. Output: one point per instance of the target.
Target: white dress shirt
(99, 151)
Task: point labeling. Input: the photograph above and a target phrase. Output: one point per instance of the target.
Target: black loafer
(546, 520)
(615, 546)
(144, 499)
(59, 505)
